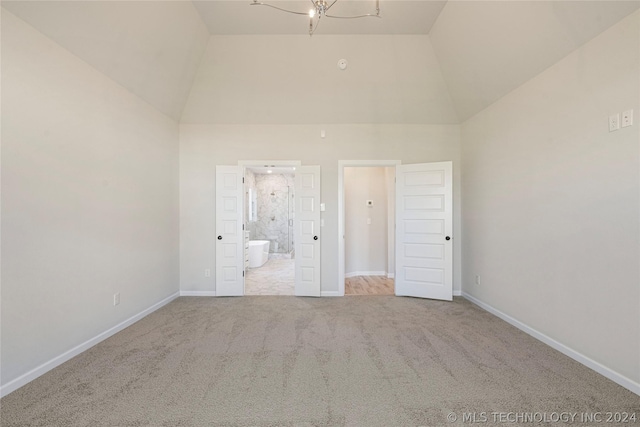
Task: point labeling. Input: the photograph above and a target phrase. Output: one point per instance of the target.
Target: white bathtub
(258, 253)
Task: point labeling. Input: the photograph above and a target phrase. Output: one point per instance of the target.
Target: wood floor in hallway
(369, 285)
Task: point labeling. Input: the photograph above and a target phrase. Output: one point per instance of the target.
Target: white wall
(204, 146)
(268, 97)
(551, 202)
(296, 80)
(89, 201)
(366, 245)
(390, 175)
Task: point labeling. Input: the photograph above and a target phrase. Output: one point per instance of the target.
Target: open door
(307, 231)
(229, 233)
(424, 222)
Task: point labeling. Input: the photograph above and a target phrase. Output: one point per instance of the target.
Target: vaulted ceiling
(488, 48)
(484, 49)
(240, 17)
(152, 48)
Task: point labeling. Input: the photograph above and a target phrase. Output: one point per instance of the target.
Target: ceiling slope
(152, 48)
(475, 53)
(488, 48)
(284, 79)
(235, 17)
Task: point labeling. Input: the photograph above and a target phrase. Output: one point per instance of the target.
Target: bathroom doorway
(369, 227)
(269, 234)
(234, 239)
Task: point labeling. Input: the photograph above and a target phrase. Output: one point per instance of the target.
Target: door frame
(341, 211)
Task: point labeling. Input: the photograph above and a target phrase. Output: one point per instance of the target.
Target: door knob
(219, 237)
(315, 237)
(447, 238)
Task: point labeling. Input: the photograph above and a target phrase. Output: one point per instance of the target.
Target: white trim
(365, 273)
(341, 165)
(59, 360)
(391, 276)
(457, 293)
(330, 294)
(197, 293)
(246, 163)
(614, 376)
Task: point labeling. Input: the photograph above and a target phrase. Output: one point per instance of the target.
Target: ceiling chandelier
(319, 10)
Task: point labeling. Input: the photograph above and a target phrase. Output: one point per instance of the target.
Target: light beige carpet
(287, 361)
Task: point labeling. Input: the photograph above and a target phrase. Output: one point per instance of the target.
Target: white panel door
(307, 231)
(424, 222)
(229, 234)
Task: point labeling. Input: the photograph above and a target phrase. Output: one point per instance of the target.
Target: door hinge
(243, 179)
(242, 273)
(243, 226)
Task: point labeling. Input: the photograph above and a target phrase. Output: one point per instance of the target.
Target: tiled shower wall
(275, 200)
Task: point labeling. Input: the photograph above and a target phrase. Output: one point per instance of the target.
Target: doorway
(269, 233)
(369, 230)
(342, 165)
(232, 241)
(423, 250)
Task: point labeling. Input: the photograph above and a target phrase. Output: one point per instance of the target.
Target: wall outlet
(207, 272)
(116, 298)
(477, 279)
(627, 118)
(614, 122)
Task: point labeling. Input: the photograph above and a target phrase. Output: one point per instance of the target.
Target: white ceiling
(152, 48)
(227, 17)
(286, 79)
(484, 49)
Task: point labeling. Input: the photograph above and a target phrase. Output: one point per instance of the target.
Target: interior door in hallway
(424, 224)
(307, 231)
(229, 234)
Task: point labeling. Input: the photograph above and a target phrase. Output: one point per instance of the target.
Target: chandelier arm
(368, 15)
(255, 3)
(313, 28)
(329, 7)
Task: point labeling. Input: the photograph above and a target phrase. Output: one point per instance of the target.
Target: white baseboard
(365, 273)
(391, 276)
(457, 293)
(59, 360)
(197, 293)
(330, 294)
(578, 357)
